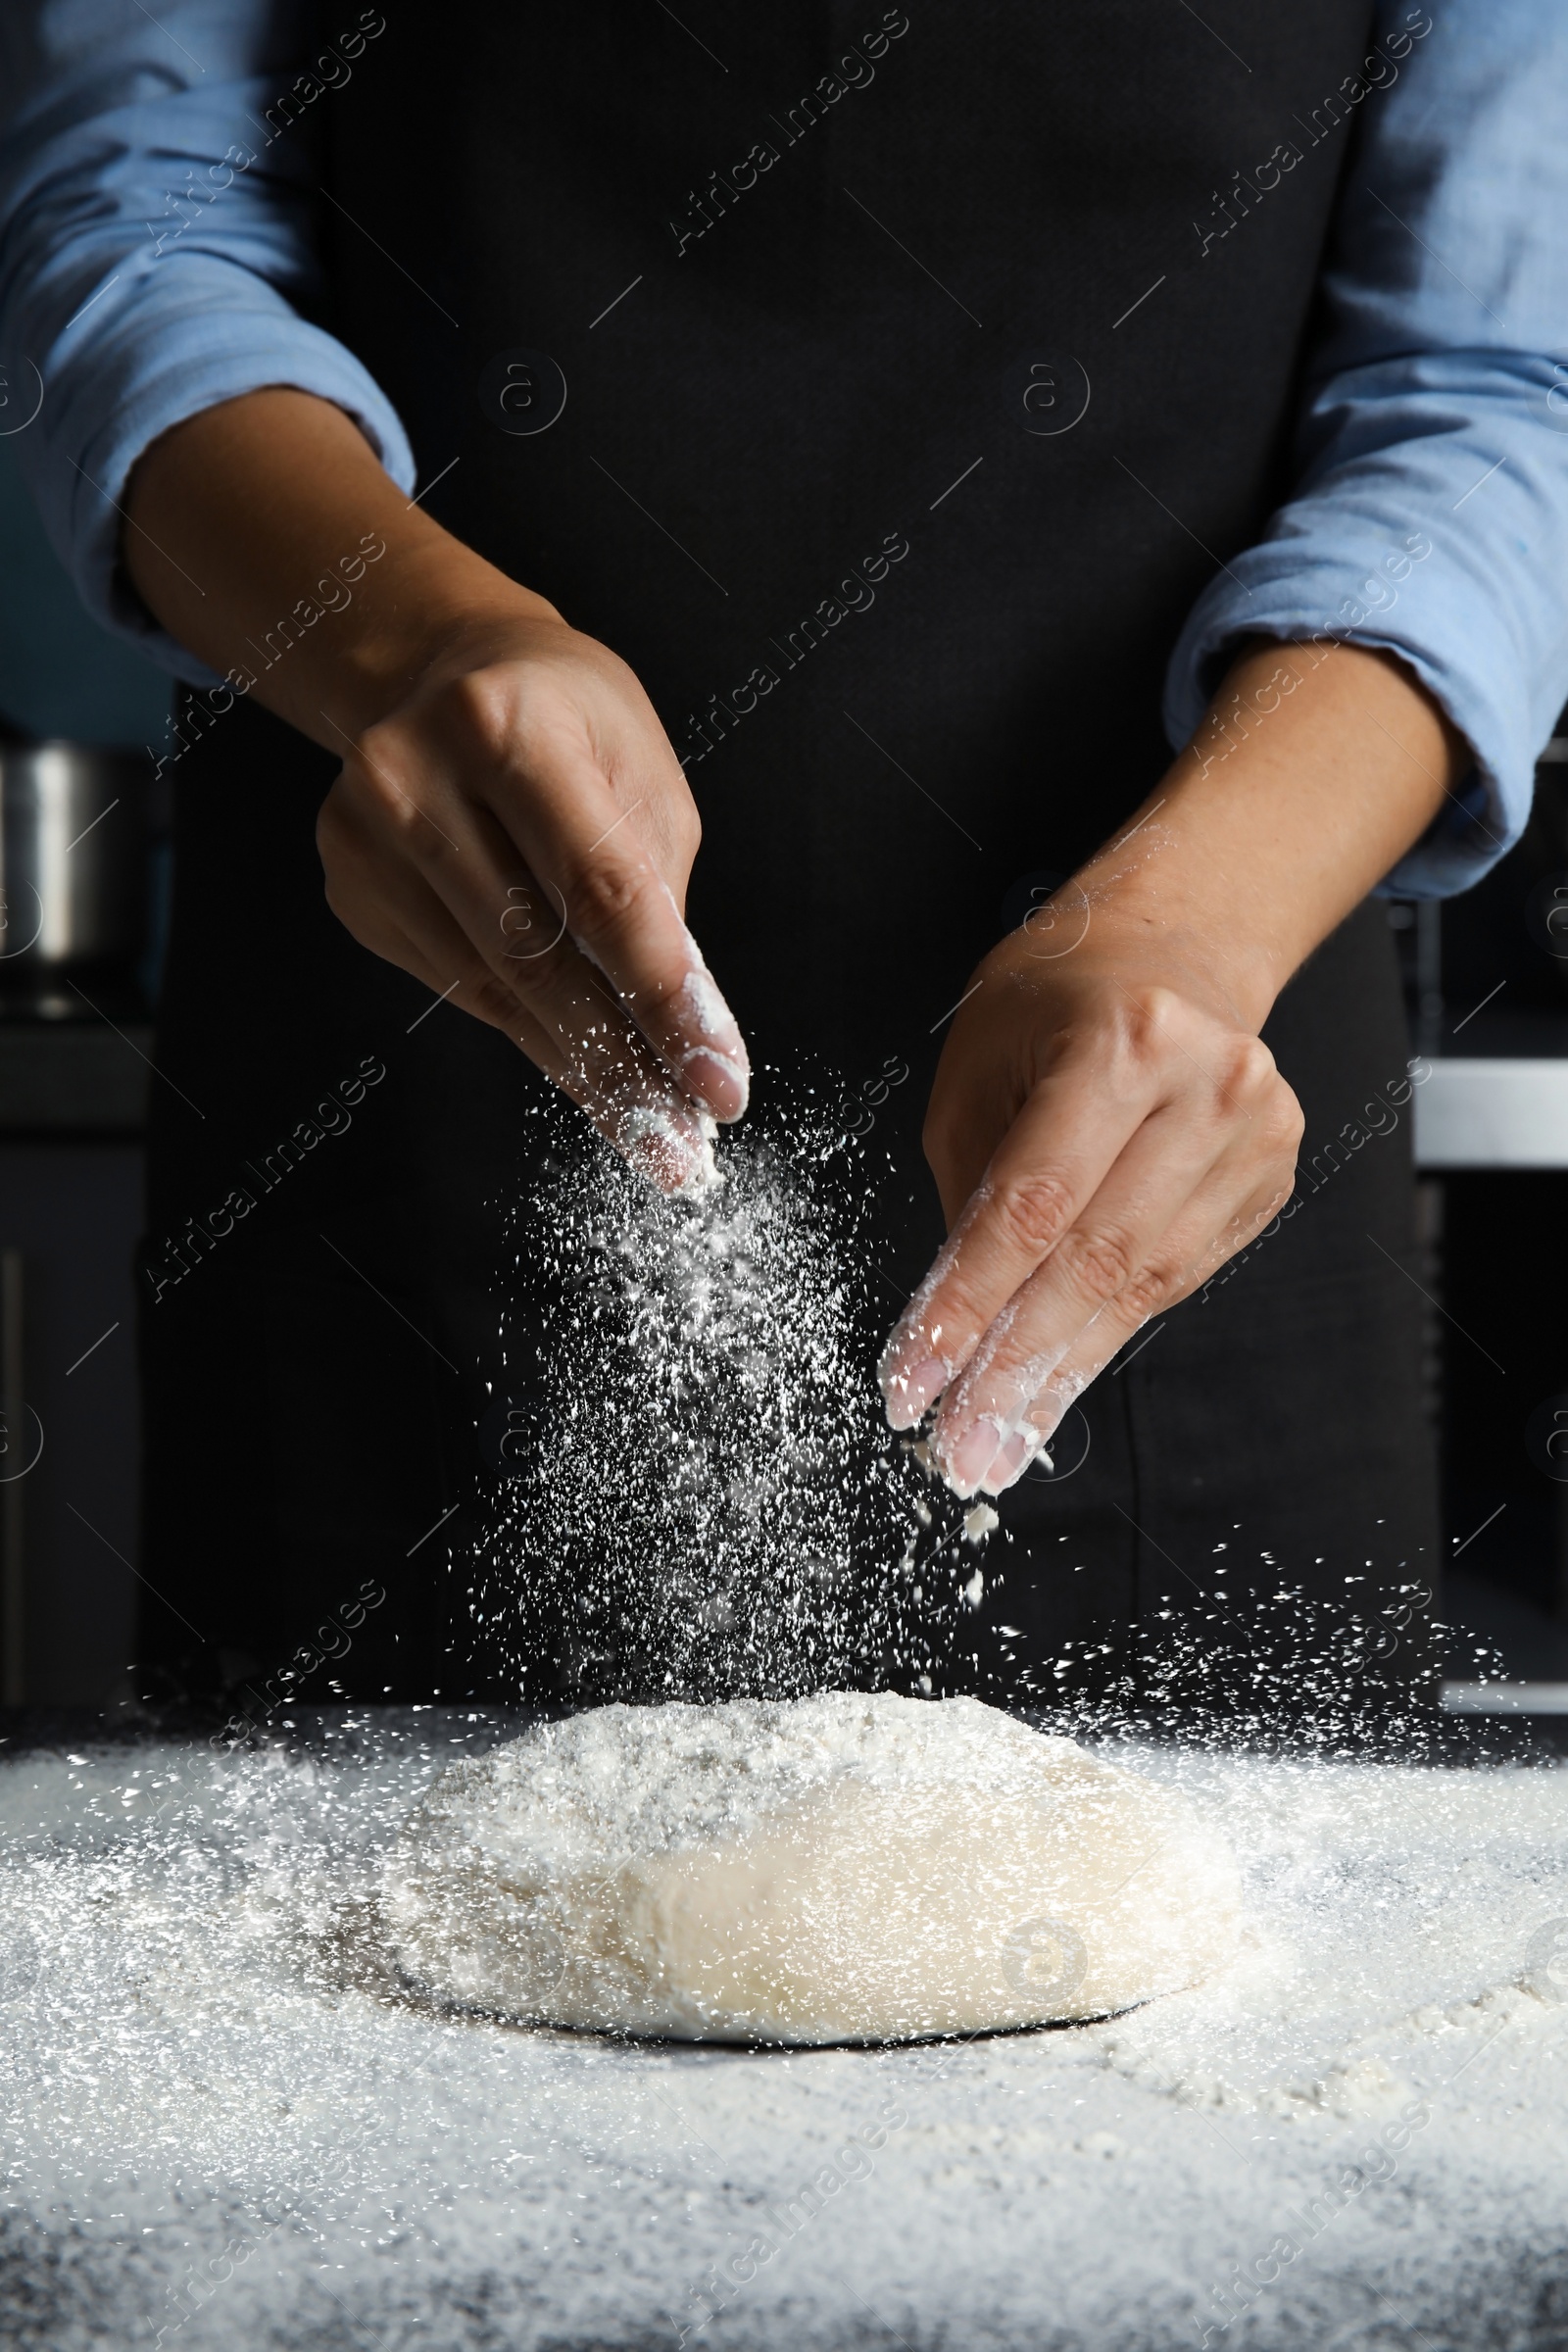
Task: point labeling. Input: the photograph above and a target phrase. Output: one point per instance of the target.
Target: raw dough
(843, 1867)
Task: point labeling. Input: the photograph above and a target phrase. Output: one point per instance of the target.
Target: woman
(827, 427)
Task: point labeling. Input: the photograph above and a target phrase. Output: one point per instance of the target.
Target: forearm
(250, 517)
(1314, 772)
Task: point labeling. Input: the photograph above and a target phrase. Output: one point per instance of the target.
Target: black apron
(884, 389)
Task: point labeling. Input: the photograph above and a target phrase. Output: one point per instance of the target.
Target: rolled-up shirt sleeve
(156, 258)
(1430, 512)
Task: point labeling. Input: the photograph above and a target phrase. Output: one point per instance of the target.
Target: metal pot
(72, 871)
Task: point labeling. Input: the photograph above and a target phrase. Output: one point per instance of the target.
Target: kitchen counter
(74, 1078)
(232, 2117)
(1492, 1113)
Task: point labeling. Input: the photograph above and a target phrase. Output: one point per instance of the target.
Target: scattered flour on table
(840, 1868)
(229, 2119)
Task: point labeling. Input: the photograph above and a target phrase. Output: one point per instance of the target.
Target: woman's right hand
(519, 834)
(511, 825)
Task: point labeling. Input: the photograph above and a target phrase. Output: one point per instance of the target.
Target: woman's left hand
(1105, 1129)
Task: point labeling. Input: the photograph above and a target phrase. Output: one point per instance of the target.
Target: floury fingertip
(718, 1070)
(1012, 1459)
(723, 1085)
(673, 1148)
(703, 1000)
(964, 1458)
(909, 1396)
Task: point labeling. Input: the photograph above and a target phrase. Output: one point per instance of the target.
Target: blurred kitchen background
(1488, 988)
(74, 1033)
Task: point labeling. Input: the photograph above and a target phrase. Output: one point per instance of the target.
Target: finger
(576, 831)
(463, 858)
(1073, 1129)
(1117, 1249)
(1191, 1252)
(628, 1097)
(1069, 1133)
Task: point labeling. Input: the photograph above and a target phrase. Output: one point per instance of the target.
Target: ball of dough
(838, 1868)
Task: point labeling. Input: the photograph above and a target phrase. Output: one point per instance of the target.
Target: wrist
(437, 611)
(1315, 771)
(1145, 913)
(264, 534)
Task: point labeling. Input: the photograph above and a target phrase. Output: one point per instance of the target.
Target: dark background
(72, 1107)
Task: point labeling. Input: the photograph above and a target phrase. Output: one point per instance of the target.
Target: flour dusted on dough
(841, 1868)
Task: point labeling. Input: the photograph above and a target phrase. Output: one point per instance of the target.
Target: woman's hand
(511, 825)
(1106, 1127)
(1105, 1130)
(519, 834)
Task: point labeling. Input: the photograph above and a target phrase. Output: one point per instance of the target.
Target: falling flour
(835, 1869)
(702, 1498)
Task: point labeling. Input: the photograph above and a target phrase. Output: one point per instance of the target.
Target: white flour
(617, 1782)
(704, 1500)
(705, 1003)
(227, 2121)
(644, 1125)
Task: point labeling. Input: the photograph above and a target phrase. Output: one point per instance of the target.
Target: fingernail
(1046, 1416)
(964, 1464)
(718, 1082)
(910, 1395)
(1010, 1459)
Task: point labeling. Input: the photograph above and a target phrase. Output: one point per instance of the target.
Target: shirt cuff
(1325, 574)
(141, 382)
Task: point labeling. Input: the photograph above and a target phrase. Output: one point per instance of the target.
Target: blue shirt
(156, 258)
